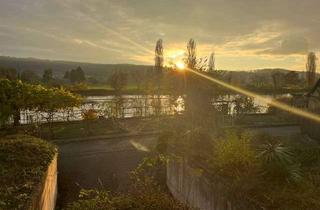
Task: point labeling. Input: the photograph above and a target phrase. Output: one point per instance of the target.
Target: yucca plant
(279, 162)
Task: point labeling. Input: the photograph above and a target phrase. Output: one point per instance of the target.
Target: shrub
(90, 114)
(144, 193)
(233, 156)
(23, 164)
(264, 172)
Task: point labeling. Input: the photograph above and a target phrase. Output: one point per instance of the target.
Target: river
(128, 106)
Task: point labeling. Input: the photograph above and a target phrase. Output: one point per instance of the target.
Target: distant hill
(103, 71)
(60, 67)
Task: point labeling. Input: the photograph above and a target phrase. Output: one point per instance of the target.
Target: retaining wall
(46, 197)
(190, 187)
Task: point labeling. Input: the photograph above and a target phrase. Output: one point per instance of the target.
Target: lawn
(108, 87)
(79, 129)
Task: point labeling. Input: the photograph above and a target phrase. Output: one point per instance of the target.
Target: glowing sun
(180, 65)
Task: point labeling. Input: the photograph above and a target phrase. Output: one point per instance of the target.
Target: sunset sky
(244, 34)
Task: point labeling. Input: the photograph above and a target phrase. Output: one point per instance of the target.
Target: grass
(272, 90)
(106, 92)
(79, 129)
(83, 129)
(103, 90)
(262, 119)
(108, 87)
(23, 163)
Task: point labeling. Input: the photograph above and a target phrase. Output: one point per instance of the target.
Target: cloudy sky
(244, 34)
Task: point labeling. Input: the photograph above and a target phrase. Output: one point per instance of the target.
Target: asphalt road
(107, 163)
(99, 163)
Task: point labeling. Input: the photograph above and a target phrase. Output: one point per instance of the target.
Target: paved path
(97, 163)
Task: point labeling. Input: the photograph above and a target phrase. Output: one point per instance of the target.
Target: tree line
(73, 76)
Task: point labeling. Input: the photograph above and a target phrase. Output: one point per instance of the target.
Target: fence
(123, 107)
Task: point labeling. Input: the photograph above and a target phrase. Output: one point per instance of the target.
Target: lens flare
(180, 65)
(139, 146)
(277, 104)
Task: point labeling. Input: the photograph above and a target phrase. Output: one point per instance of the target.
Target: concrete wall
(190, 187)
(47, 195)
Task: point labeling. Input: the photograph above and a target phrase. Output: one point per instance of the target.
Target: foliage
(153, 166)
(90, 114)
(158, 59)
(8, 73)
(77, 87)
(262, 172)
(191, 59)
(114, 109)
(47, 76)
(145, 196)
(292, 78)
(211, 64)
(144, 193)
(23, 164)
(198, 101)
(245, 105)
(252, 171)
(311, 67)
(118, 81)
(199, 93)
(75, 75)
(16, 96)
(233, 156)
(10, 99)
(29, 76)
(77, 129)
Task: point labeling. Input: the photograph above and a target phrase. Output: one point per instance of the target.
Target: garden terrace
(250, 171)
(24, 161)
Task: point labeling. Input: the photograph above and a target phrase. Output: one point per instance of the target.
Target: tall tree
(47, 76)
(158, 66)
(8, 73)
(77, 75)
(311, 68)
(66, 75)
(118, 81)
(198, 101)
(212, 63)
(158, 58)
(191, 54)
(29, 76)
(292, 78)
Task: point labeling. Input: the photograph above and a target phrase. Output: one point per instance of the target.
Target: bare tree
(212, 62)
(311, 68)
(191, 54)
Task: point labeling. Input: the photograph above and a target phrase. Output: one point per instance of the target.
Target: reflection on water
(128, 106)
(229, 101)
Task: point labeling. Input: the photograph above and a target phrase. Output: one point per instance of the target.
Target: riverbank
(65, 131)
(135, 91)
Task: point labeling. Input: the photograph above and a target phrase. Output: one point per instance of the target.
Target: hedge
(23, 164)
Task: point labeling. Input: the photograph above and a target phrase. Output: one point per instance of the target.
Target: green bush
(264, 172)
(252, 171)
(23, 163)
(144, 192)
